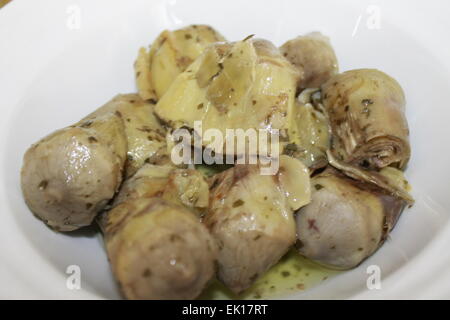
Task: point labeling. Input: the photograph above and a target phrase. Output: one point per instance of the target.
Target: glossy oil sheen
(293, 273)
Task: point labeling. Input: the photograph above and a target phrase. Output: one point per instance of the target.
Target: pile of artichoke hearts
(170, 229)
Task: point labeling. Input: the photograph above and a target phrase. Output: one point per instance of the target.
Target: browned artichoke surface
(366, 110)
(389, 179)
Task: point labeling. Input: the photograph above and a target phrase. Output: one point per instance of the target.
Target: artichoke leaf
(242, 85)
(309, 136)
(170, 54)
(366, 110)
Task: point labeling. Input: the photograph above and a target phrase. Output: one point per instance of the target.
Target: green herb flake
(285, 274)
(238, 203)
(318, 186)
(43, 185)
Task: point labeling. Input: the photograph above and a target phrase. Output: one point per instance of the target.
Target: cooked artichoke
(390, 179)
(313, 56)
(251, 217)
(70, 175)
(157, 246)
(159, 250)
(145, 136)
(170, 54)
(241, 85)
(346, 221)
(309, 137)
(366, 109)
(185, 187)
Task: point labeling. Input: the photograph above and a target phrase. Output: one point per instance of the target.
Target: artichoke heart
(156, 244)
(242, 85)
(390, 179)
(366, 110)
(251, 216)
(184, 187)
(170, 54)
(309, 137)
(146, 137)
(346, 221)
(314, 57)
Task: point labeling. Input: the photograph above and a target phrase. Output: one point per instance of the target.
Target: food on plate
(157, 246)
(251, 217)
(244, 85)
(186, 187)
(170, 54)
(70, 175)
(366, 110)
(325, 180)
(389, 179)
(346, 221)
(146, 137)
(309, 137)
(313, 56)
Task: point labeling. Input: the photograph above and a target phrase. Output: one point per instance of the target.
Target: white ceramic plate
(59, 60)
